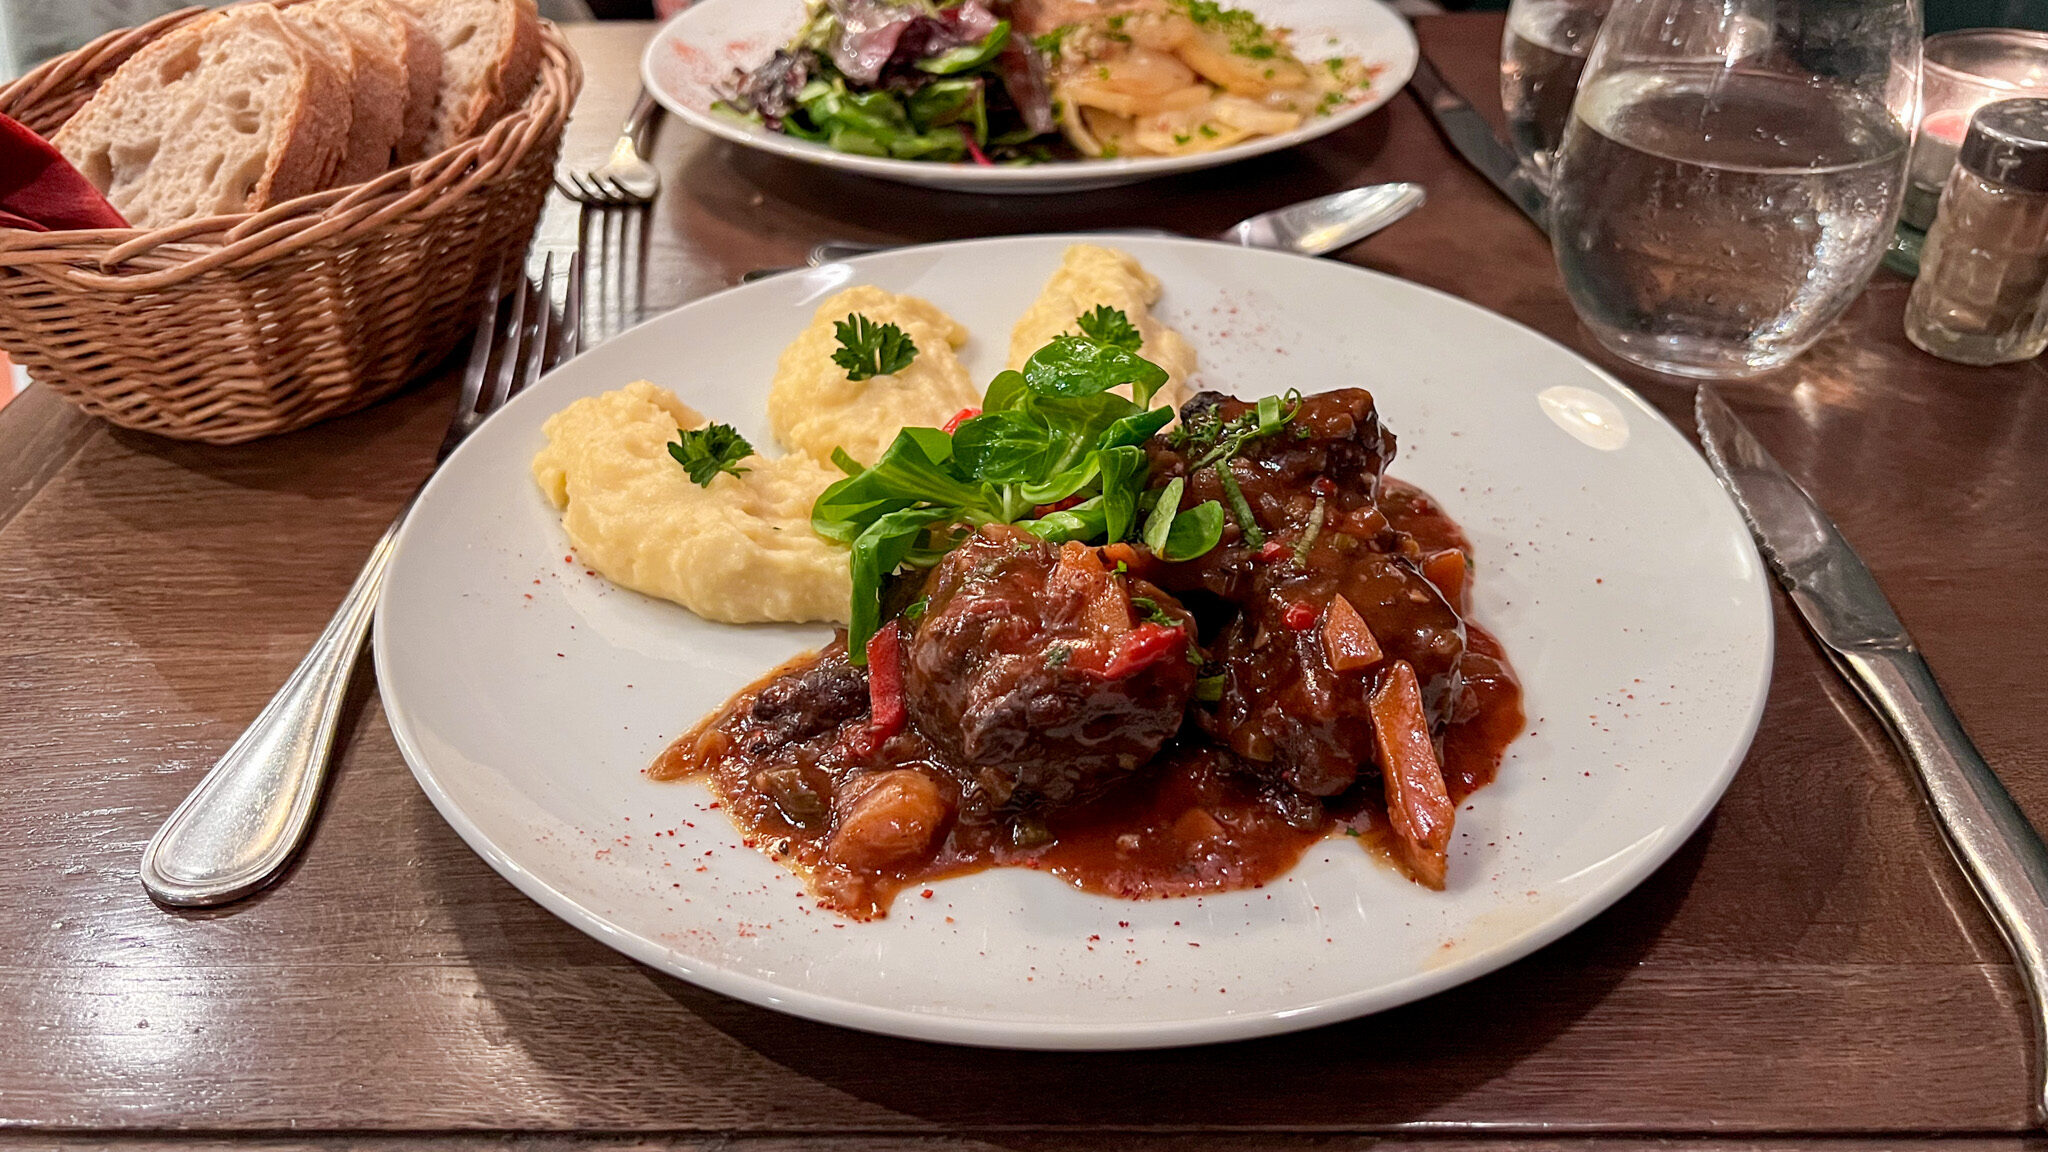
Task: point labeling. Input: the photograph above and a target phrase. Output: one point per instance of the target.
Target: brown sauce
(1192, 821)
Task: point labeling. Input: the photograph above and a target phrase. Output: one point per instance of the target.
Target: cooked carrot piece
(1417, 804)
(1447, 570)
(1350, 643)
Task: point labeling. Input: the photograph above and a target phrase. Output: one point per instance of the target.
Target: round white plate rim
(1656, 850)
(1067, 175)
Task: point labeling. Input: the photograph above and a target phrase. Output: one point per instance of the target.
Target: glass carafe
(1731, 174)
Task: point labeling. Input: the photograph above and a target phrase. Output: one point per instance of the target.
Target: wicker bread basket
(231, 328)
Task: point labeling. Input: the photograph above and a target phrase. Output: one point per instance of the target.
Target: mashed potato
(814, 408)
(1090, 276)
(740, 550)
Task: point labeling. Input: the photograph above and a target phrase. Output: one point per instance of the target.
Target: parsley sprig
(867, 349)
(1046, 435)
(707, 451)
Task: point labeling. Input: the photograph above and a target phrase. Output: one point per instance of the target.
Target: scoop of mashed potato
(814, 408)
(740, 550)
(1091, 276)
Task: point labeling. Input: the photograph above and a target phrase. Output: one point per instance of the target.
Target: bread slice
(231, 112)
(377, 104)
(398, 37)
(490, 55)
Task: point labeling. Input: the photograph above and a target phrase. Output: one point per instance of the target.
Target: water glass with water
(1731, 173)
(1541, 56)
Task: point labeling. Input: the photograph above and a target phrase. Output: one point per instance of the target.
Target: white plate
(528, 695)
(700, 48)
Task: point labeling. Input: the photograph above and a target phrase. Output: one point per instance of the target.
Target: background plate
(700, 48)
(529, 695)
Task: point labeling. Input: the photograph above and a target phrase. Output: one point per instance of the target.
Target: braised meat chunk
(1043, 675)
(1316, 582)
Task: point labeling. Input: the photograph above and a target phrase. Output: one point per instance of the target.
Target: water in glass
(1541, 57)
(1712, 218)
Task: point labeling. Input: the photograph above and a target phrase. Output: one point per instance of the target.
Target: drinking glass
(1731, 174)
(1541, 56)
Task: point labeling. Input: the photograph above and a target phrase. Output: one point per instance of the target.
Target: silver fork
(246, 820)
(615, 196)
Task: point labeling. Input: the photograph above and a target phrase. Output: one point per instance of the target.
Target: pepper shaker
(1979, 298)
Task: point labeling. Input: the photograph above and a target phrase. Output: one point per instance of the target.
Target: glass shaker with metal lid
(1979, 298)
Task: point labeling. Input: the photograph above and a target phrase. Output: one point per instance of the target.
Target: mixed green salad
(908, 79)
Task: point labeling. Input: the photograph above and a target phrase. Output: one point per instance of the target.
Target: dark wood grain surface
(1809, 971)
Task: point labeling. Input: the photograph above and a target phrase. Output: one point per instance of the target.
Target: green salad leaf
(968, 55)
(1053, 451)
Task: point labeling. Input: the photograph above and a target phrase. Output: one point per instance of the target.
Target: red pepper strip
(1299, 617)
(1062, 506)
(959, 418)
(1273, 550)
(1144, 646)
(885, 685)
(974, 149)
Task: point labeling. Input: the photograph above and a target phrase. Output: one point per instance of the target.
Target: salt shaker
(1979, 298)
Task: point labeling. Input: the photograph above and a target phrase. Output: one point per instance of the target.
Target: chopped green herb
(1246, 35)
(1152, 612)
(1058, 655)
(867, 349)
(705, 452)
(1209, 689)
(1181, 138)
(1209, 131)
(917, 609)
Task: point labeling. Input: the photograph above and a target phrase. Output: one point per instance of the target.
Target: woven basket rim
(175, 252)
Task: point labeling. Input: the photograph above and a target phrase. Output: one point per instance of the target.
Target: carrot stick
(1346, 637)
(1417, 803)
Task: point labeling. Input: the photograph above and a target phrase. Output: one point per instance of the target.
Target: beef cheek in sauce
(1318, 534)
(1041, 725)
(1042, 675)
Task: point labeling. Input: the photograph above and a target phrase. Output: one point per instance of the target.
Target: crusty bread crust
(378, 103)
(423, 79)
(471, 102)
(310, 147)
(520, 66)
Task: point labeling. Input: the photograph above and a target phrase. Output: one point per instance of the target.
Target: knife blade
(1841, 604)
(1473, 138)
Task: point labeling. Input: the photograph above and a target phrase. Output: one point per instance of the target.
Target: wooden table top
(1809, 970)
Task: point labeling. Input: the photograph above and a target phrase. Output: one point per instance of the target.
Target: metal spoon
(1310, 228)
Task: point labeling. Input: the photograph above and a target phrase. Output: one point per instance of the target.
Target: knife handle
(1986, 832)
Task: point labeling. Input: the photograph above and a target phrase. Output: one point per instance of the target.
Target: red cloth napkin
(41, 191)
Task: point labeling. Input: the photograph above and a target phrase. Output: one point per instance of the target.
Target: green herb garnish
(1047, 435)
(707, 451)
(1106, 325)
(868, 349)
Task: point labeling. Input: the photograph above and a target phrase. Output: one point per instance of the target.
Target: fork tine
(572, 310)
(482, 345)
(543, 323)
(593, 193)
(563, 186)
(508, 361)
(617, 191)
(614, 272)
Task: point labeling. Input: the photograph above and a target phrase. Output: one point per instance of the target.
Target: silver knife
(1838, 598)
(1473, 137)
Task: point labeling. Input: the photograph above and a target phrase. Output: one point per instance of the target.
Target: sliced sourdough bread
(398, 37)
(490, 55)
(377, 104)
(232, 112)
